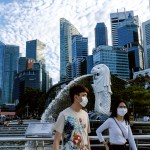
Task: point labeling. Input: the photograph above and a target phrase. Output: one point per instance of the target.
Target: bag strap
(119, 127)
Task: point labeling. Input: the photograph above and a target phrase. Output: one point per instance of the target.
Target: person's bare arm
(89, 146)
(57, 139)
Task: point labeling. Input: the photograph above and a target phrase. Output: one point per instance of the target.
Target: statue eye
(97, 74)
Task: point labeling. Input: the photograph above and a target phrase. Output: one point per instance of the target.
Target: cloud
(25, 20)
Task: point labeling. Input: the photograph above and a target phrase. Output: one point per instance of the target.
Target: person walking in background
(73, 123)
(119, 128)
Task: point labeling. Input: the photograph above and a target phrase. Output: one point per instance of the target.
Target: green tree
(34, 100)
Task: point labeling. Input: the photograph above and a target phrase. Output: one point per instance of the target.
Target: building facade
(114, 57)
(29, 78)
(145, 72)
(146, 43)
(101, 37)
(2, 46)
(128, 38)
(36, 49)
(87, 65)
(66, 32)
(11, 55)
(79, 52)
(116, 18)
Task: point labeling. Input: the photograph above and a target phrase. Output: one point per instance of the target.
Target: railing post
(43, 145)
(36, 146)
(137, 143)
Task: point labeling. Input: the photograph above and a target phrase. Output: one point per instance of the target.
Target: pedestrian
(119, 128)
(72, 124)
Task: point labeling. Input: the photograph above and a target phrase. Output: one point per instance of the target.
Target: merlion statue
(102, 88)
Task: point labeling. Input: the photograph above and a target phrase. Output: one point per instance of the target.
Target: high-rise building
(79, 51)
(2, 46)
(128, 38)
(146, 43)
(69, 71)
(101, 37)
(31, 78)
(116, 18)
(87, 65)
(66, 32)
(11, 55)
(116, 58)
(36, 49)
(22, 62)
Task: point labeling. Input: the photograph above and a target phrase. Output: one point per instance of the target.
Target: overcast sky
(24, 20)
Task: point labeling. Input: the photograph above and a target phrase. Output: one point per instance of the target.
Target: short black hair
(114, 109)
(76, 89)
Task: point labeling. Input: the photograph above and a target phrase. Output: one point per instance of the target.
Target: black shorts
(118, 147)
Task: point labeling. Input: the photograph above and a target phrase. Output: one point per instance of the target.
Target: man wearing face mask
(73, 123)
(119, 128)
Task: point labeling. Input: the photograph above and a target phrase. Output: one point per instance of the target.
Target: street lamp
(27, 110)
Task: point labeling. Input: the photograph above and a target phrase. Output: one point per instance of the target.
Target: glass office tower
(22, 63)
(79, 51)
(101, 37)
(146, 43)
(11, 55)
(116, 58)
(128, 37)
(2, 46)
(36, 49)
(116, 18)
(66, 32)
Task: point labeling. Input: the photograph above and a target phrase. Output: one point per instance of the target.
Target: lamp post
(27, 110)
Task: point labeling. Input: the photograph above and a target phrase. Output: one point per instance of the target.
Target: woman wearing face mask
(119, 128)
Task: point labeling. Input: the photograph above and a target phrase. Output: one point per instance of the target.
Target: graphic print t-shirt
(74, 127)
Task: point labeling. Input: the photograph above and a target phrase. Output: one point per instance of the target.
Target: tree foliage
(34, 100)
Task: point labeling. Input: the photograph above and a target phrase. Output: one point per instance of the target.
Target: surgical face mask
(121, 111)
(84, 101)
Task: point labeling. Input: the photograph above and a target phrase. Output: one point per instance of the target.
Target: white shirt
(115, 134)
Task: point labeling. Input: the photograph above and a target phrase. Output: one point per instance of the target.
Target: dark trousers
(117, 147)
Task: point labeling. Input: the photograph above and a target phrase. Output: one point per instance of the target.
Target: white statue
(102, 88)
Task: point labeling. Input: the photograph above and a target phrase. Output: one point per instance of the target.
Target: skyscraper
(22, 62)
(146, 43)
(87, 65)
(36, 49)
(2, 46)
(11, 55)
(29, 78)
(116, 18)
(79, 52)
(128, 38)
(116, 58)
(66, 32)
(101, 37)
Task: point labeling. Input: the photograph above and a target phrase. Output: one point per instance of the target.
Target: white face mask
(84, 101)
(121, 111)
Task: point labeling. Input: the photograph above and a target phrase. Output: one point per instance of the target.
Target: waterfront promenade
(13, 137)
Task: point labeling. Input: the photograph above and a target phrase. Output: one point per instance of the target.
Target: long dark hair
(114, 110)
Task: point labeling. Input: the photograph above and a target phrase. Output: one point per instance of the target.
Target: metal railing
(47, 142)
